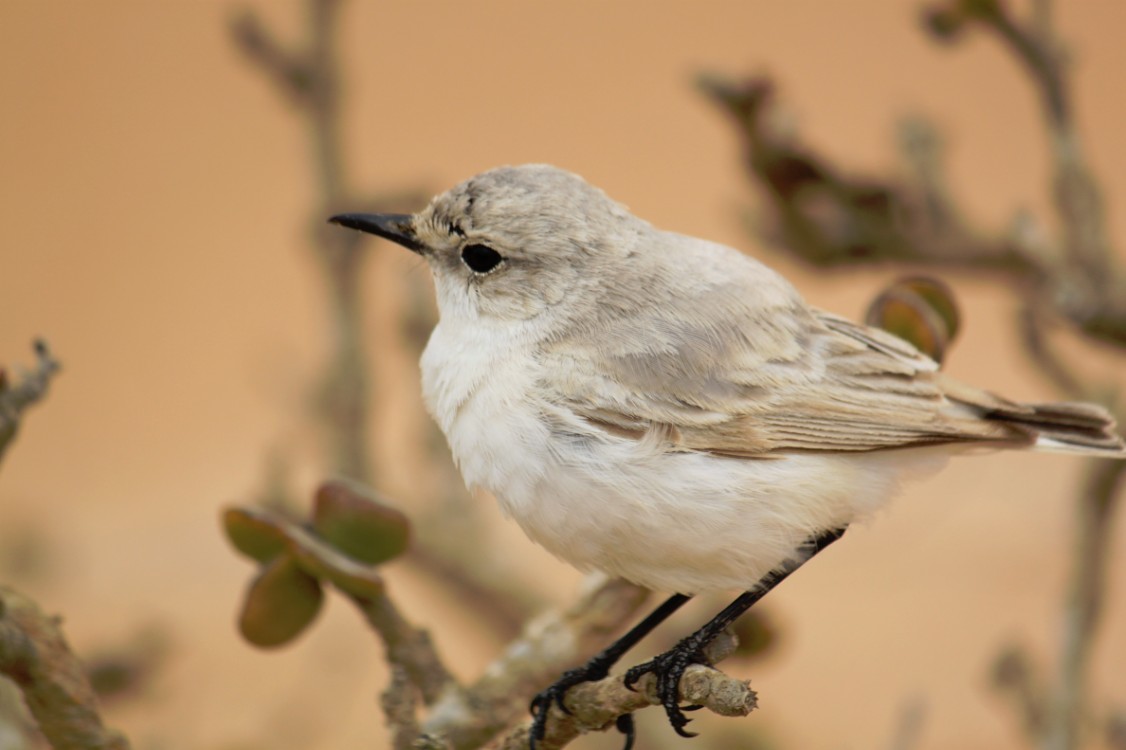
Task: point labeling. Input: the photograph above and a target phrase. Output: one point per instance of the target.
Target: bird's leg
(669, 667)
(597, 668)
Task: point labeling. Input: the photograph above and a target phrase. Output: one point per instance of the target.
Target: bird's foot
(596, 669)
(668, 668)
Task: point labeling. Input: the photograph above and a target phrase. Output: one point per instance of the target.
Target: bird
(669, 410)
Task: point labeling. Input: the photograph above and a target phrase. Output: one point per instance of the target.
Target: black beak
(394, 227)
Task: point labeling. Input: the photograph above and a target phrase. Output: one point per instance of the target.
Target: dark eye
(480, 258)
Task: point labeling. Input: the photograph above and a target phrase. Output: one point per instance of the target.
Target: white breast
(476, 383)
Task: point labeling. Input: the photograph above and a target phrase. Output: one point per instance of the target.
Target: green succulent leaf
(251, 535)
(280, 604)
(355, 521)
(920, 311)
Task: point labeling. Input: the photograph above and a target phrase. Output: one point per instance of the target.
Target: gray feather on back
(772, 376)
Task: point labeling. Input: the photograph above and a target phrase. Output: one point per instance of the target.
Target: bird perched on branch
(668, 410)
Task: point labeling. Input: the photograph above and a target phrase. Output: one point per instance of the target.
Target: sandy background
(155, 198)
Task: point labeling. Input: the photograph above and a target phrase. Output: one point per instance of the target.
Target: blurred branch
(1085, 601)
(32, 387)
(35, 656)
(1092, 295)
(1032, 327)
(836, 220)
(1015, 678)
(408, 648)
(344, 518)
(310, 77)
(831, 219)
(909, 725)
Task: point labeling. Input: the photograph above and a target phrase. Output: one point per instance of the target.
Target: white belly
(670, 521)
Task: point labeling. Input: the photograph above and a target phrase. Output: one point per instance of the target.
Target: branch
(31, 388)
(596, 706)
(408, 648)
(1031, 324)
(1085, 598)
(548, 645)
(36, 657)
(1015, 677)
(311, 78)
(1090, 286)
(289, 70)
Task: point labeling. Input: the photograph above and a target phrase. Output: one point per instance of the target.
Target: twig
(1030, 323)
(311, 78)
(909, 727)
(1083, 607)
(596, 706)
(36, 657)
(408, 648)
(1014, 676)
(31, 388)
(1077, 197)
(1091, 294)
(400, 706)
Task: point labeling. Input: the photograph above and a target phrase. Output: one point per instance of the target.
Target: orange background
(156, 195)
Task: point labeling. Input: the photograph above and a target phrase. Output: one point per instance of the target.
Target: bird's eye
(480, 258)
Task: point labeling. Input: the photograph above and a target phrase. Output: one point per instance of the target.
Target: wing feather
(773, 377)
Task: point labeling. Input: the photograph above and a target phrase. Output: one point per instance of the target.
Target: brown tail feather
(1066, 427)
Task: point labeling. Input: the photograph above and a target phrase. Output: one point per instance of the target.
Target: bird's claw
(668, 668)
(556, 692)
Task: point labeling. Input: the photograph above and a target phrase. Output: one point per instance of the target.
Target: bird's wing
(772, 377)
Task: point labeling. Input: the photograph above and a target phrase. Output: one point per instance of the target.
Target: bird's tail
(1066, 427)
(1063, 427)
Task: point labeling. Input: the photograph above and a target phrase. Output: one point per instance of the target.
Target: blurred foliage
(920, 310)
(351, 530)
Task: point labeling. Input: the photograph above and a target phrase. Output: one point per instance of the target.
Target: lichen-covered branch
(408, 648)
(596, 706)
(35, 656)
(15, 397)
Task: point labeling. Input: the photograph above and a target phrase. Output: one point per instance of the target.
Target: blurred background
(159, 206)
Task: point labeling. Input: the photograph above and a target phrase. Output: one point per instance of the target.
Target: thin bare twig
(311, 78)
(1083, 606)
(1015, 677)
(1091, 294)
(14, 398)
(1031, 324)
